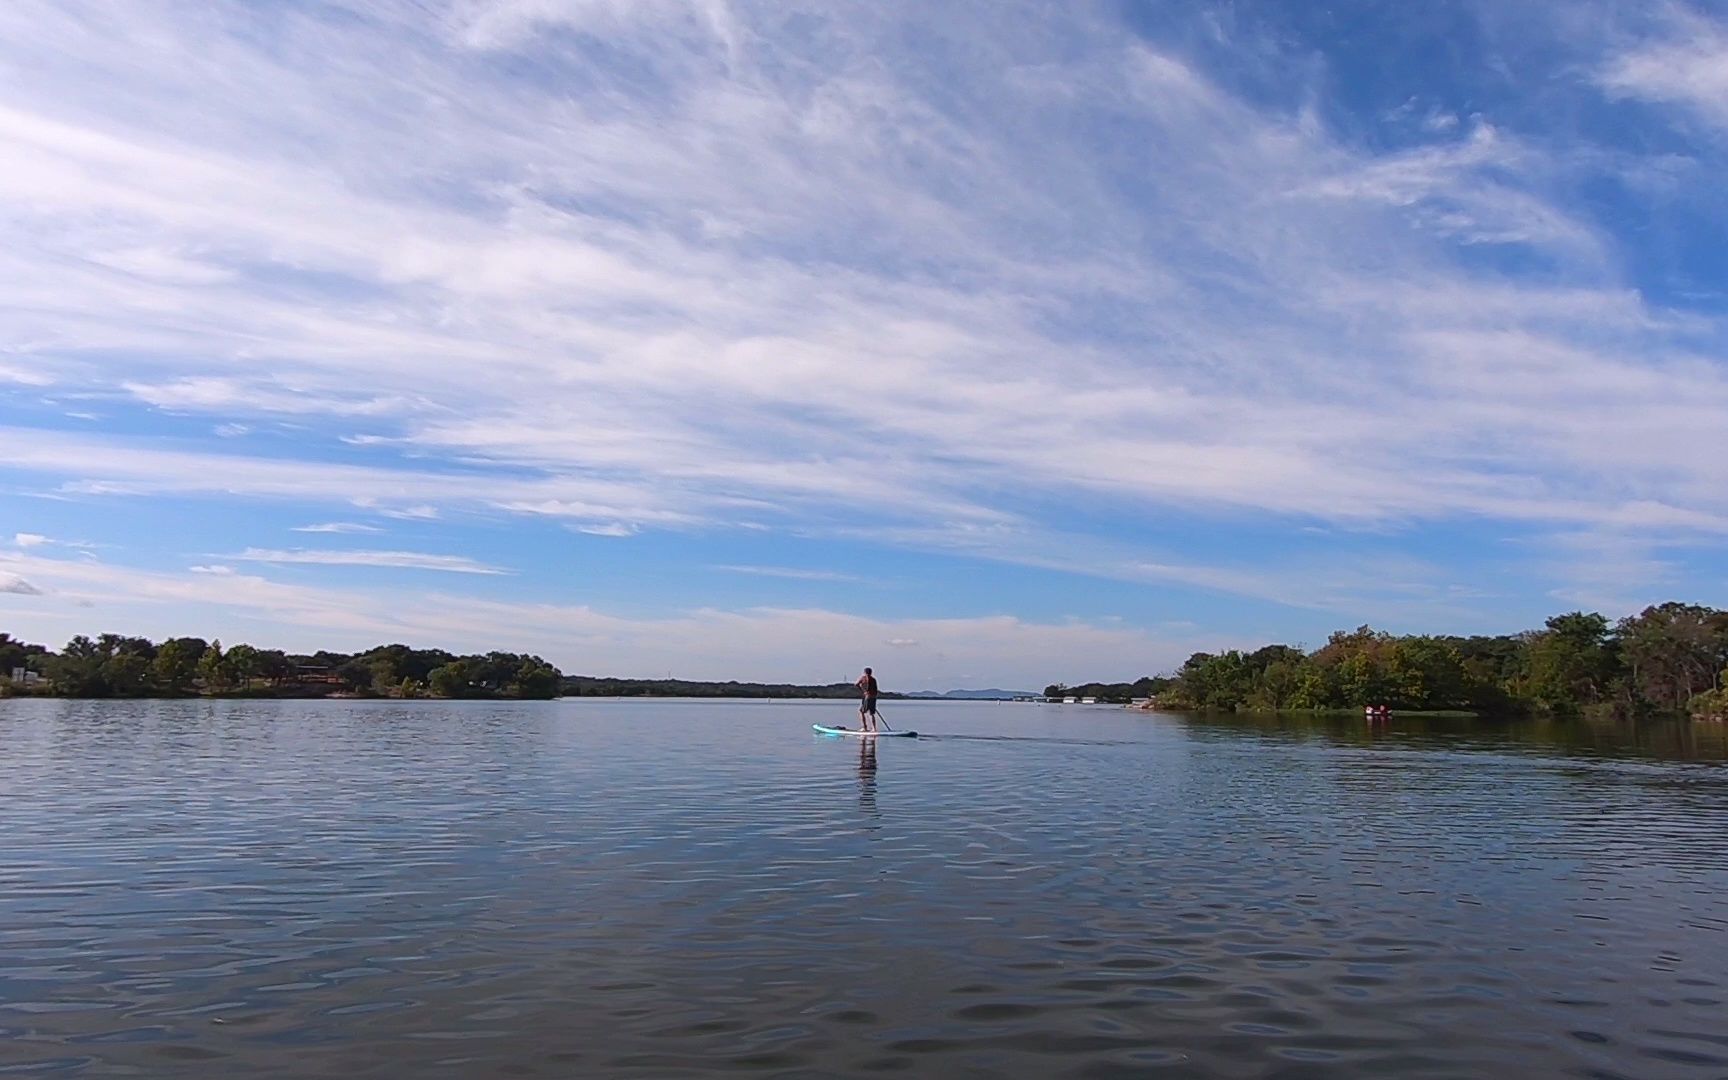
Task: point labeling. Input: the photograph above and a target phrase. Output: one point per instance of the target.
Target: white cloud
(421, 512)
(792, 573)
(614, 291)
(758, 643)
(1690, 69)
(216, 569)
(24, 375)
(402, 560)
(17, 586)
(111, 466)
(1466, 190)
(28, 540)
(338, 527)
(237, 396)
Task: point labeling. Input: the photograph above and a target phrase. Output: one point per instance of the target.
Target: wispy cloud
(1689, 69)
(789, 572)
(568, 388)
(400, 560)
(420, 512)
(752, 643)
(337, 527)
(17, 586)
(639, 266)
(29, 540)
(24, 375)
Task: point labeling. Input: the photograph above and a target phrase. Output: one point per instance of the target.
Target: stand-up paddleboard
(826, 730)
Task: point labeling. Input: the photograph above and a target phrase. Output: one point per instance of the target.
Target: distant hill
(973, 695)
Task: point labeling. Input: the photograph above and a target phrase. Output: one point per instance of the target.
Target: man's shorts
(869, 704)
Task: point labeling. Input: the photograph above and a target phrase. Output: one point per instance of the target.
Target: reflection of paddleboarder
(867, 715)
(867, 776)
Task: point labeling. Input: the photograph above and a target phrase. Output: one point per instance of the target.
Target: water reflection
(1668, 740)
(580, 888)
(867, 777)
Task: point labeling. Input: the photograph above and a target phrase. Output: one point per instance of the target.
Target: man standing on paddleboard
(867, 708)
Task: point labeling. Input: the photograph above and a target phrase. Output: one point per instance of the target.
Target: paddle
(879, 719)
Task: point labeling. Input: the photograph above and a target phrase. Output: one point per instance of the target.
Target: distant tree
(19, 654)
(1673, 651)
(357, 675)
(391, 664)
(78, 670)
(534, 678)
(1314, 689)
(243, 663)
(1425, 673)
(1277, 686)
(273, 664)
(1570, 663)
(176, 663)
(1711, 704)
(213, 668)
(450, 680)
(127, 674)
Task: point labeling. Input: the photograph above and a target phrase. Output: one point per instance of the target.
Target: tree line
(1118, 693)
(115, 665)
(1668, 659)
(592, 686)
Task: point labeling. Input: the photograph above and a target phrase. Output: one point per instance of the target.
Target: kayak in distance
(826, 730)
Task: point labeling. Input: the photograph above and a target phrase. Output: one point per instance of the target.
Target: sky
(987, 343)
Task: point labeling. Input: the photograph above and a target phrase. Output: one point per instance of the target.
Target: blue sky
(983, 343)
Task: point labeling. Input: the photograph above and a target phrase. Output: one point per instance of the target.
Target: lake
(673, 888)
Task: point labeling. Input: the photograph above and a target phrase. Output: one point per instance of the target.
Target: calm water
(640, 889)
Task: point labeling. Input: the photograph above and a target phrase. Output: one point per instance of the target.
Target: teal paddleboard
(826, 730)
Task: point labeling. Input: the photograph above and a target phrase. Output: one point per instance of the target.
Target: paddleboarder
(867, 716)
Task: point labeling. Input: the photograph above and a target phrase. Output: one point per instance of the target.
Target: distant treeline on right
(1668, 659)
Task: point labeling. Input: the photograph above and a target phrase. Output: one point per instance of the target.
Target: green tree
(1314, 689)
(77, 671)
(1673, 651)
(1277, 686)
(273, 664)
(450, 680)
(1570, 663)
(18, 654)
(357, 675)
(534, 678)
(1424, 673)
(213, 668)
(127, 674)
(243, 663)
(176, 663)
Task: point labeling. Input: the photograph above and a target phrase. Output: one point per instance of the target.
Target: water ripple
(696, 889)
